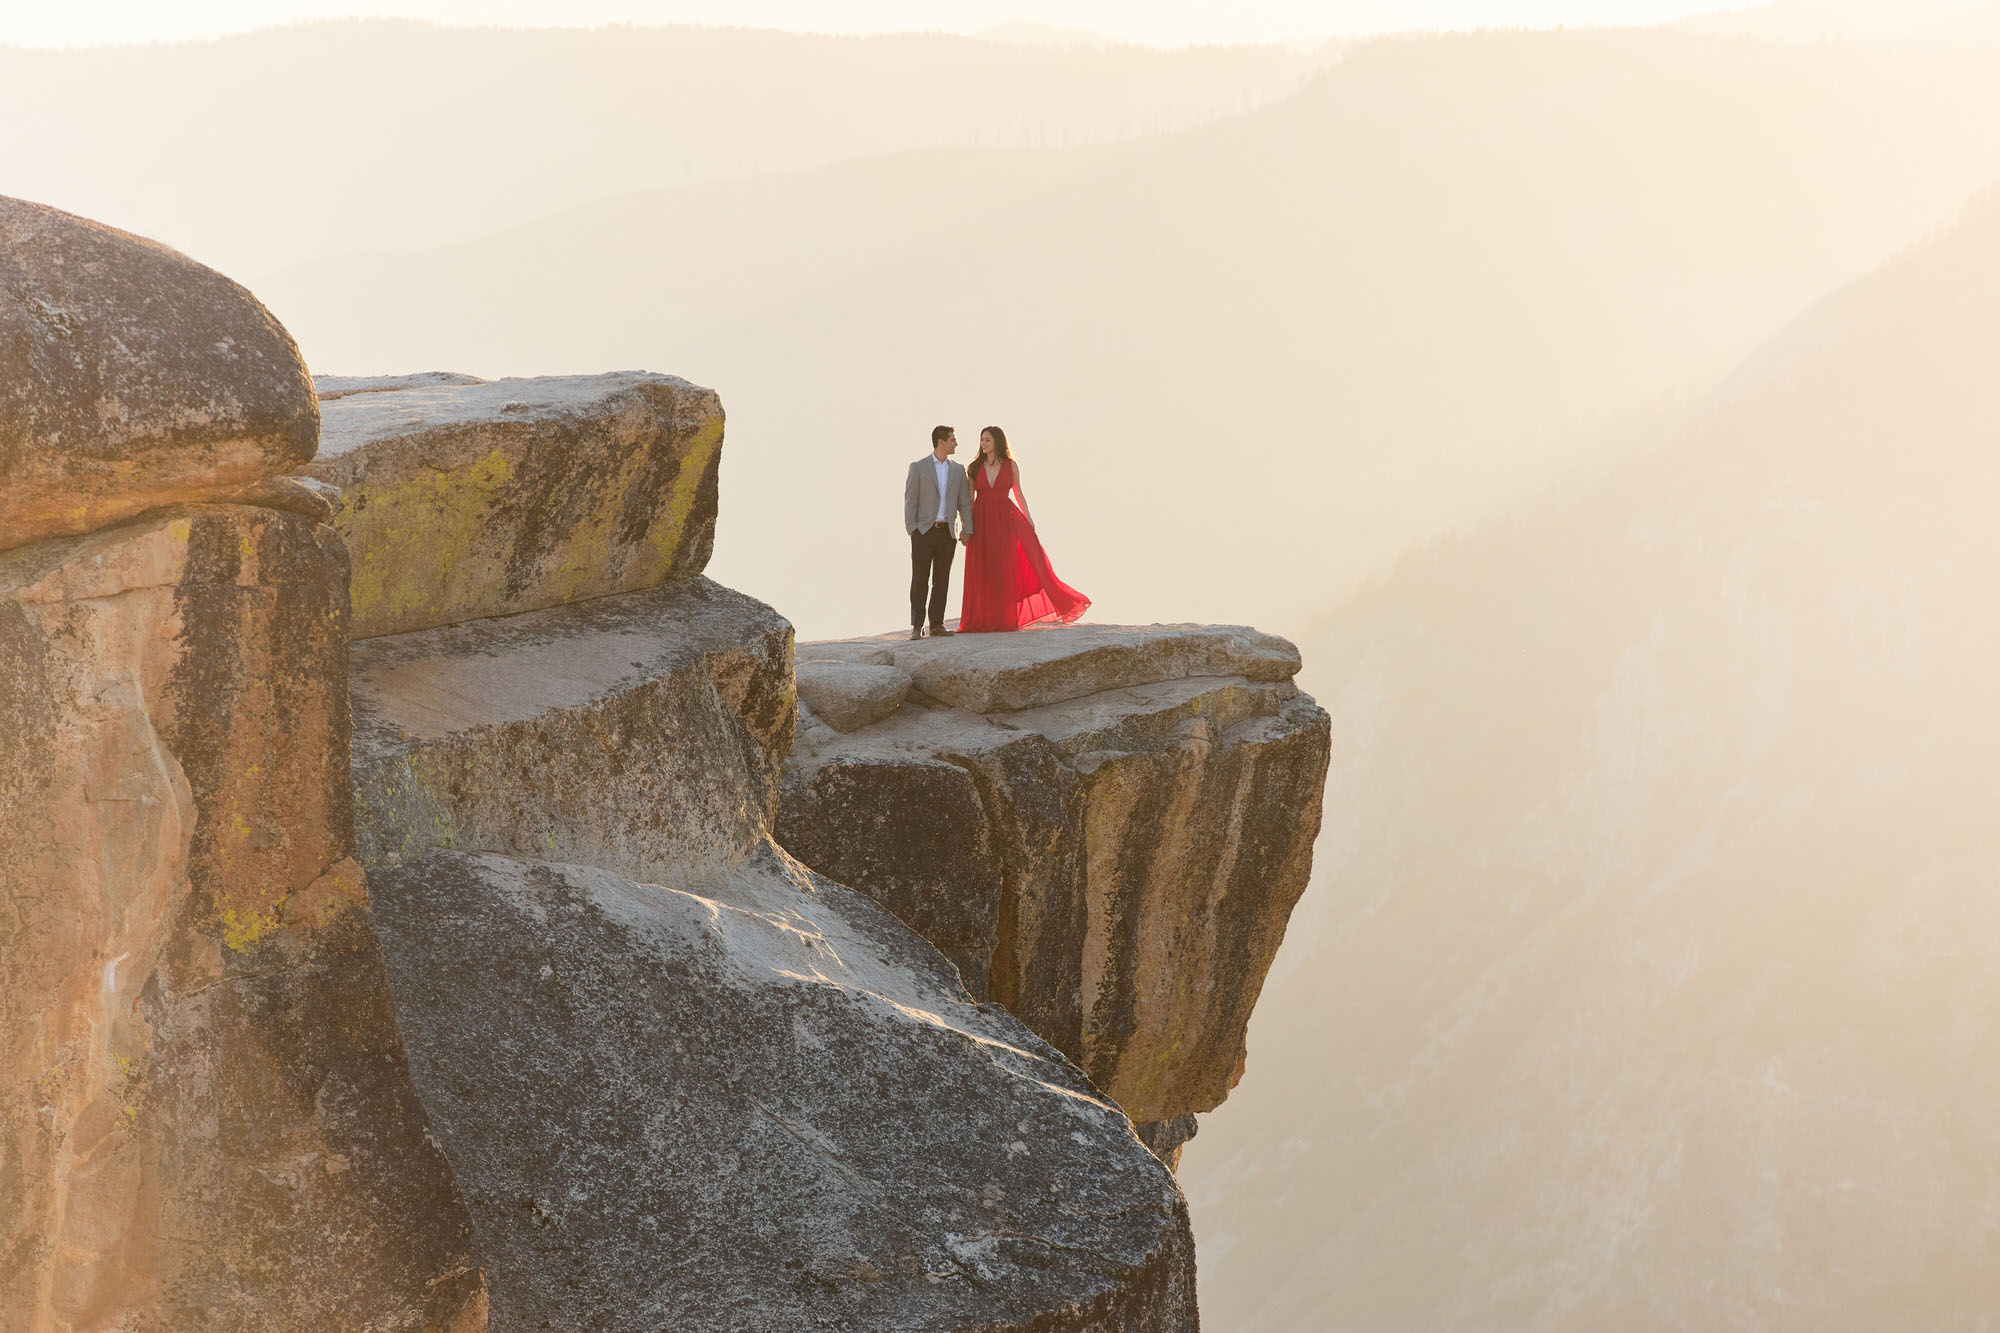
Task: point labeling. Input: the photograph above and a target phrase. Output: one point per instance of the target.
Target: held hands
(966, 540)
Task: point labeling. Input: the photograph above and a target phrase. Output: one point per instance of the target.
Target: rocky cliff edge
(402, 938)
(1105, 827)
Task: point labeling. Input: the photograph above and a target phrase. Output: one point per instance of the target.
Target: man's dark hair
(939, 434)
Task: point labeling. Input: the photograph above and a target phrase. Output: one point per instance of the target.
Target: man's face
(948, 445)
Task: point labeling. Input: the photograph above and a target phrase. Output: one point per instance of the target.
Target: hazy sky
(83, 22)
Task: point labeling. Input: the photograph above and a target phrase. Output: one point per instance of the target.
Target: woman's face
(986, 444)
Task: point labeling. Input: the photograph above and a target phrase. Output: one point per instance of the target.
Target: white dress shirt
(944, 475)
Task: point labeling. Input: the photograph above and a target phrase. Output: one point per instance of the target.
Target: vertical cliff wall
(202, 1102)
(1106, 829)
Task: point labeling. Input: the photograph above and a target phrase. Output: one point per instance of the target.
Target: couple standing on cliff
(1008, 581)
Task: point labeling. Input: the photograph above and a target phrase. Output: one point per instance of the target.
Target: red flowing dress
(1008, 581)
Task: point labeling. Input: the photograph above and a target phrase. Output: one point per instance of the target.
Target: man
(934, 496)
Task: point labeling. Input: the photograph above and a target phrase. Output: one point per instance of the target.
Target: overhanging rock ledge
(1105, 827)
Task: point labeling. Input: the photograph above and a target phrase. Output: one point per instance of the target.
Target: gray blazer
(920, 496)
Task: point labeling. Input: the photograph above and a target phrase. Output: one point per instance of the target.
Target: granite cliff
(1105, 827)
(431, 906)
(205, 1116)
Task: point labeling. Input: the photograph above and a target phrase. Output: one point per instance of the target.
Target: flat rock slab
(987, 673)
(850, 695)
(331, 387)
(763, 1108)
(464, 498)
(132, 377)
(642, 732)
(1116, 867)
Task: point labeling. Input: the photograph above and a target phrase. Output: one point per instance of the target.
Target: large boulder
(682, 1082)
(463, 498)
(1105, 827)
(764, 1107)
(204, 1116)
(132, 377)
(642, 733)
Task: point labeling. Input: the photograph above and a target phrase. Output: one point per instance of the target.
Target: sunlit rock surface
(640, 733)
(1104, 827)
(204, 1119)
(849, 695)
(762, 1106)
(681, 1082)
(132, 377)
(988, 673)
(463, 498)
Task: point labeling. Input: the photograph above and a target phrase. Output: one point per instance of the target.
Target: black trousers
(931, 554)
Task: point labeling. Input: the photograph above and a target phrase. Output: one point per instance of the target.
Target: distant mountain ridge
(1023, 33)
(329, 137)
(1806, 21)
(1416, 278)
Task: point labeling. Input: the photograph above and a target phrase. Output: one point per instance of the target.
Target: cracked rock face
(759, 1108)
(204, 1118)
(1109, 825)
(132, 377)
(641, 733)
(463, 498)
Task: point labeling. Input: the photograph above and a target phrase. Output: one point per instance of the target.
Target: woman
(1008, 581)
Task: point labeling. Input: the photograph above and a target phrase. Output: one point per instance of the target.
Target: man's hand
(966, 540)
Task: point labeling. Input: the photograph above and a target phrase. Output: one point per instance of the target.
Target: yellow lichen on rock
(409, 539)
(470, 499)
(343, 888)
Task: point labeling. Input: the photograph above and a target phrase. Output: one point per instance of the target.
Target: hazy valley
(1658, 970)
(1608, 414)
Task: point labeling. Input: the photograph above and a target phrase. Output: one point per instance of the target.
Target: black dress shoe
(940, 632)
(916, 632)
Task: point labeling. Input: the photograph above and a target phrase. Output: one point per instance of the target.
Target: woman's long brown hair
(1001, 453)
